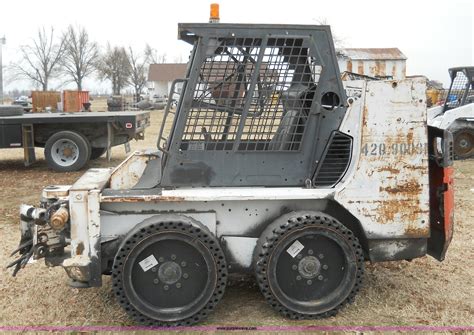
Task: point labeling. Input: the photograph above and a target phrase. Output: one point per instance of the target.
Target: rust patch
(389, 169)
(417, 231)
(380, 68)
(410, 136)
(349, 65)
(406, 210)
(365, 113)
(360, 67)
(411, 187)
(80, 249)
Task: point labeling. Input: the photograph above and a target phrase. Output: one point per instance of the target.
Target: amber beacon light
(214, 16)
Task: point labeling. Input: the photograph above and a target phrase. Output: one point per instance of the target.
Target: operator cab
(262, 104)
(460, 91)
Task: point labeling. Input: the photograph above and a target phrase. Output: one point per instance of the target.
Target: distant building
(160, 77)
(384, 63)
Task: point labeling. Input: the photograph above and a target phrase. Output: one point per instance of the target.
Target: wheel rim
(463, 144)
(64, 152)
(318, 278)
(179, 285)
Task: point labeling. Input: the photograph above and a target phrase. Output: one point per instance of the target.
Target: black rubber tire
(130, 252)
(467, 136)
(97, 152)
(79, 140)
(12, 110)
(278, 236)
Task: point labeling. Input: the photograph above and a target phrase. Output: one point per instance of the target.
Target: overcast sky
(434, 35)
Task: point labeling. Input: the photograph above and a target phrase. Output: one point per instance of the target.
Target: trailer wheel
(67, 151)
(463, 144)
(169, 271)
(97, 152)
(308, 265)
(12, 110)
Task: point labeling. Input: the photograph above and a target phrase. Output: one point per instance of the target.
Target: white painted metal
(232, 193)
(388, 188)
(93, 221)
(56, 192)
(115, 225)
(127, 173)
(445, 120)
(240, 249)
(79, 214)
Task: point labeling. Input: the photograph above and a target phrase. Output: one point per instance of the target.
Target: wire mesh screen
(461, 88)
(256, 95)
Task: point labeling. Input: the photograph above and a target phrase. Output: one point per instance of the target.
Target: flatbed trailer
(71, 139)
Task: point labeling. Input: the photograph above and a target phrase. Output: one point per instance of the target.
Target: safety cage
(461, 89)
(264, 93)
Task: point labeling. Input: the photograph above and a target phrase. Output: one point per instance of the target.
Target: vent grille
(335, 161)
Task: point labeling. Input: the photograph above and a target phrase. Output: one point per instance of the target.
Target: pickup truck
(69, 140)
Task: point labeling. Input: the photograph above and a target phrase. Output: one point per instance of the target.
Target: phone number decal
(395, 149)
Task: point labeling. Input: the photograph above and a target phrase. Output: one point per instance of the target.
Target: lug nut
(320, 277)
(185, 275)
(298, 277)
(161, 259)
(155, 281)
(294, 267)
(325, 267)
(178, 285)
(299, 256)
(166, 287)
(309, 282)
(153, 269)
(321, 256)
(173, 257)
(310, 252)
(183, 264)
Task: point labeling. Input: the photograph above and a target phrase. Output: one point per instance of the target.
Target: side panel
(388, 189)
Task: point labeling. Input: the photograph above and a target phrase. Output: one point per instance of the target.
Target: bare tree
(138, 73)
(80, 55)
(162, 58)
(115, 66)
(152, 55)
(178, 59)
(40, 61)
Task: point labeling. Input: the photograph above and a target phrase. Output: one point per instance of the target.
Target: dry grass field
(421, 292)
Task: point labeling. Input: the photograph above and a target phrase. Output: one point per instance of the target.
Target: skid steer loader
(456, 113)
(268, 166)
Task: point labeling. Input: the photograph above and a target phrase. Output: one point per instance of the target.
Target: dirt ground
(421, 292)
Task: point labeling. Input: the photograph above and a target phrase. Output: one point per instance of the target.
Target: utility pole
(2, 42)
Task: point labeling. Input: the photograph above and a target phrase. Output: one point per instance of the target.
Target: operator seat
(296, 103)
